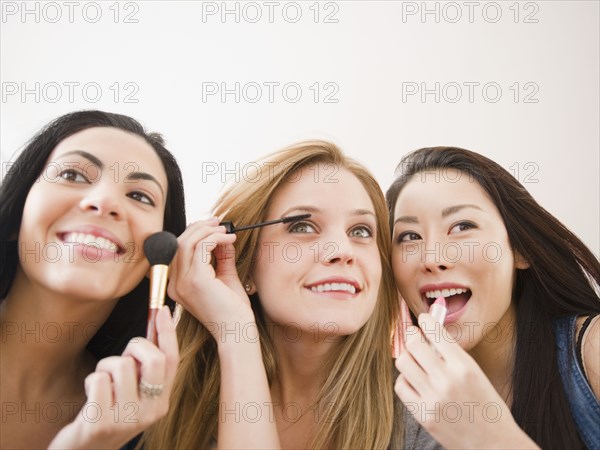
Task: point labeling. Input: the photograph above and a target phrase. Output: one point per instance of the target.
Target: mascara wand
(232, 229)
(160, 249)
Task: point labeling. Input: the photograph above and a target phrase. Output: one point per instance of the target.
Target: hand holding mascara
(160, 249)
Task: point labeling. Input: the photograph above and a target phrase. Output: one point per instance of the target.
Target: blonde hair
(358, 386)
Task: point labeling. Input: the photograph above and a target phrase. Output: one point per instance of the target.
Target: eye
(462, 226)
(141, 197)
(73, 176)
(407, 236)
(361, 231)
(301, 227)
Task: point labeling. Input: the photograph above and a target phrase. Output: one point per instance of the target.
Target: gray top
(415, 436)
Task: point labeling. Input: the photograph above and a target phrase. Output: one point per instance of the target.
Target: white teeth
(87, 239)
(444, 292)
(328, 287)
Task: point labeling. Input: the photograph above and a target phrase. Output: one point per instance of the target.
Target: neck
(301, 358)
(495, 354)
(45, 334)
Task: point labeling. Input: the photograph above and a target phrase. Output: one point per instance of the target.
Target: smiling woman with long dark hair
(75, 209)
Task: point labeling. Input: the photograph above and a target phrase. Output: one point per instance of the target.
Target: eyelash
(148, 199)
(363, 227)
(72, 172)
(135, 195)
(470, 225)
(293, 229)
(401, 236)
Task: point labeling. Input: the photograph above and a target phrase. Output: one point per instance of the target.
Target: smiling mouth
(92, 240)
(345, 288)
(456, 298)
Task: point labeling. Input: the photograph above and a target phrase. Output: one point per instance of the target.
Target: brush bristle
(160, 248)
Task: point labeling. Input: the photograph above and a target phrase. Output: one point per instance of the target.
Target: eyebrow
(95, 161)
(454, 209)
(315, 210)
(131, 176)
(445, 213)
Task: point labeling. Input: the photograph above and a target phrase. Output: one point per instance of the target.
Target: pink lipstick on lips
(438, 310)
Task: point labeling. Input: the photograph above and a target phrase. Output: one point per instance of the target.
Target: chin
(88, 288)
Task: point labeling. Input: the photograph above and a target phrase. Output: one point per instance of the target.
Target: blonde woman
(315, 298)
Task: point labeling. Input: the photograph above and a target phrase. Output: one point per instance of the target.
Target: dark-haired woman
(517, 362)
(75, 209)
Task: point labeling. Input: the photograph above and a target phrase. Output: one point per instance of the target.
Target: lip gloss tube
(438, 310)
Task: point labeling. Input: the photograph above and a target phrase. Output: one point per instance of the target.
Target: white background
(156, 61)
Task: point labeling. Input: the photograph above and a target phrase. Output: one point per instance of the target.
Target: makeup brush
(159, 248)
(232, 229)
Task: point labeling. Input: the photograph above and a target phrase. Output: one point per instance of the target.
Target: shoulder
(590, 351)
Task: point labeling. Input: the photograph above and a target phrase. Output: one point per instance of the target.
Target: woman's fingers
(438, 337)
(204, 249)
(150, 361)
(423, 353)
(99, 390)
(405, 391)
(192, 269)
(123, 374)
(192, 237)
(167, 342)
(413, 373)
(226, 269)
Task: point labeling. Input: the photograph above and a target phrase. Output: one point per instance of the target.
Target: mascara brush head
(160, 248)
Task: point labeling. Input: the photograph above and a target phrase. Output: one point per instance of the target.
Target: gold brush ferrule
(158, 285)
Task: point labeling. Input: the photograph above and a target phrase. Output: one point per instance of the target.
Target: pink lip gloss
(438, 310)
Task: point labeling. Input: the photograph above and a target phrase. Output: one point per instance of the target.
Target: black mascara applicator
(232, 229)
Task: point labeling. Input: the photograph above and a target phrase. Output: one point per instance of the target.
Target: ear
(521, 262)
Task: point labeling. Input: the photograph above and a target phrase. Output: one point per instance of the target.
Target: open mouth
(91, 240)
(456, 298)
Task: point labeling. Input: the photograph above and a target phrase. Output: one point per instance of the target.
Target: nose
(338, 251)
(436, 259)
(103, 201)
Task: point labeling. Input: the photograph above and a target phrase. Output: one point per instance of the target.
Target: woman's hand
(215, 297)
(125, 394)
(450, 396)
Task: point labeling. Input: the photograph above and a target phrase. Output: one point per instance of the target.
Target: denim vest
(585, 407)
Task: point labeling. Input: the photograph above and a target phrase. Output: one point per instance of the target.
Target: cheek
(401, 265)
(35, 215)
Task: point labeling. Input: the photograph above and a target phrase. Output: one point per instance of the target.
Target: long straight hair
(128, 318)
(358, 386)
(559, 282)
